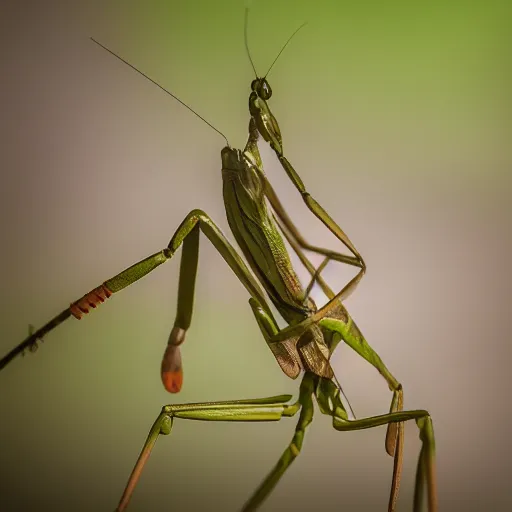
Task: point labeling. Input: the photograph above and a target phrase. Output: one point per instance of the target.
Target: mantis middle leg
(260, 409)
(292, 450)
(188, 235)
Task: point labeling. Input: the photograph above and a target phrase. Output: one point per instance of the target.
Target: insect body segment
(256, 233)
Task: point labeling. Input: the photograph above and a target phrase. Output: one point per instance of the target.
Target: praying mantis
(258, 222)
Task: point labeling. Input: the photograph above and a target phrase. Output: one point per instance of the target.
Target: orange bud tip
(172, 381)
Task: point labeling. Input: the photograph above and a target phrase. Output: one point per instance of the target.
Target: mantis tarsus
(257, 219)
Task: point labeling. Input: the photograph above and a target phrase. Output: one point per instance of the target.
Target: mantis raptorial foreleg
(251, 410)
(289, 229)
(267, 126)
(315, 275)
(286, 224)
(264, 128)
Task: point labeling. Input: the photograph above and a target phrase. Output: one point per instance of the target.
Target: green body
(258, 236)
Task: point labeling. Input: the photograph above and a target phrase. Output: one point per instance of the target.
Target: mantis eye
(265, 91)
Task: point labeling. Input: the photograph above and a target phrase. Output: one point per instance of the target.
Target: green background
(395, 115)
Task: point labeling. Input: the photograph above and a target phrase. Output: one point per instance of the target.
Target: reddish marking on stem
(89, 300)
(171, 370)
(172, 380)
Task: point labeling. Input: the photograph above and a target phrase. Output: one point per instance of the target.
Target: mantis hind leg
(259, 409)
(327, 395)
(425, 476)
(351, 335)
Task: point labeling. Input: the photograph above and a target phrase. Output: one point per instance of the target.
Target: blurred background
(394, 114)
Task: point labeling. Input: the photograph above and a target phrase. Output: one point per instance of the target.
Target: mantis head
(262, 88)
(260, 85)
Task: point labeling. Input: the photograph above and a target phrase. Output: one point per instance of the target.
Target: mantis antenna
(282, 49)
(246, 23)
(163, 88)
